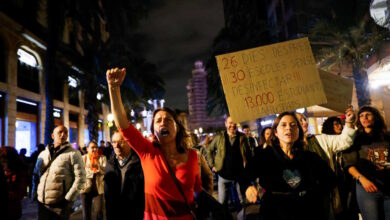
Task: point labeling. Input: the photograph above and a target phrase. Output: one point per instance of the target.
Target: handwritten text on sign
(270, 79)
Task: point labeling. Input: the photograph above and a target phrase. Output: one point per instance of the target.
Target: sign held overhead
(271, 79)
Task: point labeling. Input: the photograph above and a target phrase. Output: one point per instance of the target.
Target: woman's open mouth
(164, 132)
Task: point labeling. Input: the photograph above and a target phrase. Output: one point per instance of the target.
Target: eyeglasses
(118, 142)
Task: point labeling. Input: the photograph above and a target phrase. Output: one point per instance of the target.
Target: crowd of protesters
(341, 173)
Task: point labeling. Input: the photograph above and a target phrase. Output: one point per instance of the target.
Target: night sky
(177, 34)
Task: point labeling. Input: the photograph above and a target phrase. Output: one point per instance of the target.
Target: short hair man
(60, 175)
(251, 140)
(124, 182)
(228, 154)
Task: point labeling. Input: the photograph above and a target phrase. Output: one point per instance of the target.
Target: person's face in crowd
(165, 127)
(231, 126)
(59, 135)
(267, 134)
(337, 127)
(287, 131)
(92, 149)
(101, 143)
(247, 132)
(302, 119)
(120, 146)
(366, 119)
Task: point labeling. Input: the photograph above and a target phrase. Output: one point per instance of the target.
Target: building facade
(22, 93)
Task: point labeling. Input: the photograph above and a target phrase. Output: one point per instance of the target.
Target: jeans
(86, 200)
(227, 188)
(373, 206)
(57, 212)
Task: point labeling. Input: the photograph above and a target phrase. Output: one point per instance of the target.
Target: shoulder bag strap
(178, 185)
(51, 161)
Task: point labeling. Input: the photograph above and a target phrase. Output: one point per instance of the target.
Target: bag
(87, 186)
(207, 207)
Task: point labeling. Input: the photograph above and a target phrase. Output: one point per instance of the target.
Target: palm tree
(141, 82)
(348, 36)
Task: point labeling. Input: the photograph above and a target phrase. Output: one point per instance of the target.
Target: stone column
(81, 122)
(10, 111)
(42, 106)
(65, 111)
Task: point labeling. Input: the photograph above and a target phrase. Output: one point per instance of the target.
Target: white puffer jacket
(63, 179)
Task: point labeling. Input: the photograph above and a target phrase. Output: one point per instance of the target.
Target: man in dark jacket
(124, 182)
(228, 154)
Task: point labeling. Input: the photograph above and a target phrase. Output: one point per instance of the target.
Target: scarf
(94, 161)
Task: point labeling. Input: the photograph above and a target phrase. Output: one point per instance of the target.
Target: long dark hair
(262, 136)
(327, 127)
(379, 127)
(183, 139)
(298, 145)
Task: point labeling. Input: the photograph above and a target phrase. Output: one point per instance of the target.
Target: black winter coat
(130, 203)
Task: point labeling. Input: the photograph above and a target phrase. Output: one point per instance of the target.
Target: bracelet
(358, 177)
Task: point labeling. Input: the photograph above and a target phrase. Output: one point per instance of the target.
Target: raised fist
(115, 76)
(349, 115)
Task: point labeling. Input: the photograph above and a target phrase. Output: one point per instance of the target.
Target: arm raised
(115, 78)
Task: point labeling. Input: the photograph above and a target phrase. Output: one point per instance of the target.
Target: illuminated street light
(110, 119)
(138, 126)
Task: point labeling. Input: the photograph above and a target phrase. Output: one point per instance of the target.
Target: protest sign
(338, 91)
(271, 79)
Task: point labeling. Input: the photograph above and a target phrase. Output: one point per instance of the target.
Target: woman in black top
(294, 180)
(369, 164)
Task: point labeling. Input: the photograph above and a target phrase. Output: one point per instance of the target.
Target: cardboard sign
(271, 79)
(338, 91)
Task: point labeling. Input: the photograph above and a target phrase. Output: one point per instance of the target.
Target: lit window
(72, 82)
(56, 113)
(26, 102)
(27, 58)
(99, 96)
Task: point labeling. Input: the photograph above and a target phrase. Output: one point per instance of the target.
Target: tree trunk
(361, 83)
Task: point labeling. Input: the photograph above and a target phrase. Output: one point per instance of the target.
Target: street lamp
(110, 119)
